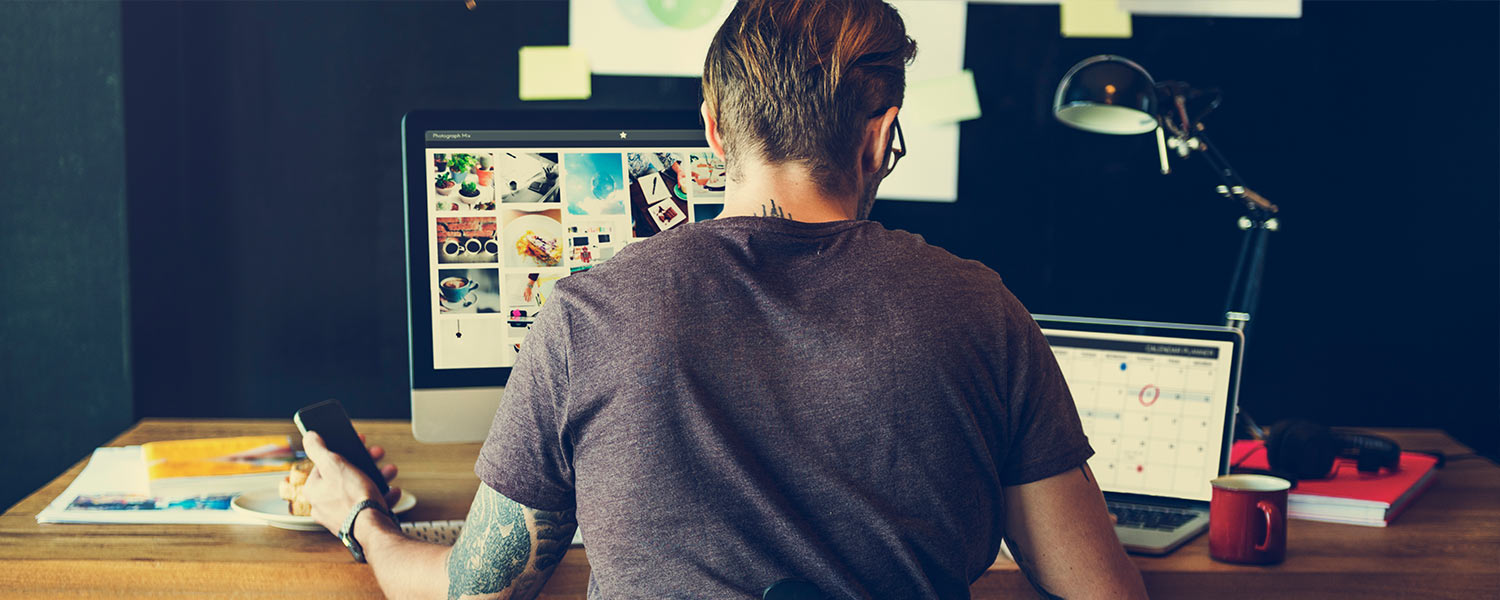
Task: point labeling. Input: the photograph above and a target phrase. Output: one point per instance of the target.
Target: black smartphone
(330, 421)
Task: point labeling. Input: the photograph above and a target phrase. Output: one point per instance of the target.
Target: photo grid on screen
(507, 223)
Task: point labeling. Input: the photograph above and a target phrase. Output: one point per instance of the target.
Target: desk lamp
(1114, 95)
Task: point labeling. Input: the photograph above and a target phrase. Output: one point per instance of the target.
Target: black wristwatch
(346, 533)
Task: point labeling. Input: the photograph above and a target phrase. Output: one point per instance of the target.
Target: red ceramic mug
(1247, 519)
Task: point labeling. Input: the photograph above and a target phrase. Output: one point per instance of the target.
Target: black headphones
(1308, 450)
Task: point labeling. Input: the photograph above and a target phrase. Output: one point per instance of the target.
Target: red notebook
(1349, 496)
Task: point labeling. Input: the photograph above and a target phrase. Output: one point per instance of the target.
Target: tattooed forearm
(1028, 569)
(494, 552)
(493, 548)
(774, 211)
(554, 533)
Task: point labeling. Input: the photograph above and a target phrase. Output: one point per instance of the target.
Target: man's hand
(405, 568)
(335, 486)
(507, 550)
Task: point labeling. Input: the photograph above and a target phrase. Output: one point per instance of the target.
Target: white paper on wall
(1191, 8)
(1286, 9)
(670, 38)
(1290, 9)
(929, 172)
(646, 37)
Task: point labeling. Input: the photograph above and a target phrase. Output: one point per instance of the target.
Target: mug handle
(1271, 512)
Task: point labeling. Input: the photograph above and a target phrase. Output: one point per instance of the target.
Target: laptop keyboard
(1149, 517)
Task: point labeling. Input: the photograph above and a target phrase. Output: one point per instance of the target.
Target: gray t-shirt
(738, 401)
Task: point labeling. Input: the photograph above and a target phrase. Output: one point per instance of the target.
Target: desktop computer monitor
(502, 205)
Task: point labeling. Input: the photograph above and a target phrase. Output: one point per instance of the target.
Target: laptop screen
(1156, 404)
(508, 213)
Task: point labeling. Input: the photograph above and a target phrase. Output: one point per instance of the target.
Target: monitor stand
(453, 415)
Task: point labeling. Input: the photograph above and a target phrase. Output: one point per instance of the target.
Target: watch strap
(346, 533)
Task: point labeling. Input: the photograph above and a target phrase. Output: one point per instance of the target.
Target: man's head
(799, 81)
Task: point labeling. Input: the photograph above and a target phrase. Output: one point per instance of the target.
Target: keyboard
(1149, 517)
(446, 532)
(437, 532)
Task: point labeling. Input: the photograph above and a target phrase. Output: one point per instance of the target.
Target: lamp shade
(1107, 94)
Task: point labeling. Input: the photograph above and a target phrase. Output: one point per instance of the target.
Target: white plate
(544, 226)
(268, 506)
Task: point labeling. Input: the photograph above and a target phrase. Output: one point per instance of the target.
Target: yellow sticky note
(1094, 19)
(554, 73)
(943, 100)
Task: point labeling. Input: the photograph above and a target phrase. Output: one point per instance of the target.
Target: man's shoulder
(670, 250)
(912, 252)
(641, 270)
(879, 255)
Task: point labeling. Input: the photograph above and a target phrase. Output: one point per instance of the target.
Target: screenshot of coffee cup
(455, 289)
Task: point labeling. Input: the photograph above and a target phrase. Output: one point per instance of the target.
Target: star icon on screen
(624, 135)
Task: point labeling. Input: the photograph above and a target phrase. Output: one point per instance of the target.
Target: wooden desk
(1446, 545)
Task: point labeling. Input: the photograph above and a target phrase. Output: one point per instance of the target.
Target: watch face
(346, 533)
(353, 546)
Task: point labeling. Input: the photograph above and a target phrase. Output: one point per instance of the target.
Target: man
(786, 392)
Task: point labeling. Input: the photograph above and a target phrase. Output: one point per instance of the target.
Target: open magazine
(216, 466)
(113, 489)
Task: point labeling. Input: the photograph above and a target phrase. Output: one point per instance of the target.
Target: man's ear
(877, 141)
(711, 129)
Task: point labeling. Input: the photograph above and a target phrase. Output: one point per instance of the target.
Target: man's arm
(507, 550)
(1061, 535)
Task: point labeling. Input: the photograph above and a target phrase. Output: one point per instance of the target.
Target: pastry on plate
(291, 488)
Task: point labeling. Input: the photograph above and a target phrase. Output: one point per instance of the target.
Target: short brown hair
(795, 80)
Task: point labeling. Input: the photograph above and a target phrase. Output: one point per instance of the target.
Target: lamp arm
(1259, 218)
(1234, 187)
(1258, 223)
(1179, 102)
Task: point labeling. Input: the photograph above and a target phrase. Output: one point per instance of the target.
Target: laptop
(1158, 402)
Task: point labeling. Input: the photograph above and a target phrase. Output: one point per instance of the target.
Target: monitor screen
(1154, 408)
(506, 214)
(500, 206)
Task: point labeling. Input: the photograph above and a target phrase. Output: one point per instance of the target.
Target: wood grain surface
(1446, 545)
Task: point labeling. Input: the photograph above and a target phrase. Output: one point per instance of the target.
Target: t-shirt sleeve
(526, 456)
(1044, 432)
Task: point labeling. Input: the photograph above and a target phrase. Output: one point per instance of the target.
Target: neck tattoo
(775, 211)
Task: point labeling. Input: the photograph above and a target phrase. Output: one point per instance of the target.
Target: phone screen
(330, 421)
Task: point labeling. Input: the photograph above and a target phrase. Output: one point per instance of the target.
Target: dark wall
(267, 233)
(1374, 126)
(64, 373)
(266, 240)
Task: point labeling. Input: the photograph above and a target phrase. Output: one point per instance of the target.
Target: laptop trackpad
(1155, 541)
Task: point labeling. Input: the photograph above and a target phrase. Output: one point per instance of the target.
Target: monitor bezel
(414, 126)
